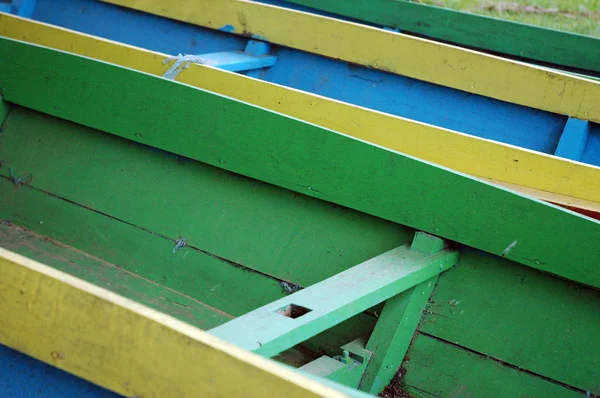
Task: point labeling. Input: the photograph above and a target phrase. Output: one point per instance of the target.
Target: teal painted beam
(392, 335)
(301, 157)
(471, 30)
(291, 320)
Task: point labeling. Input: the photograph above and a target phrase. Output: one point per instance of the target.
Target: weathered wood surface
(421, 59)
(302, 157)
(138, 228)
(126, 347)
(539, 175)
(439, 369)
(529, 320)
(471, 30)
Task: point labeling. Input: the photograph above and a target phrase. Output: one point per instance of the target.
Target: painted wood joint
(291, 320)
(347, 369)
(574, 139)
(254, 57)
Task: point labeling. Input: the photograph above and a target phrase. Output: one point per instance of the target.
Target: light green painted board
(111, 277)
(275, 327)
(437, 369)
(530, 320)
(209, 207)
(392, 335)
(304, 158)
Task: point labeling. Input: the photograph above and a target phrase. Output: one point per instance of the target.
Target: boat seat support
(255, 57)
(574, 139)
(291, 320)
(22, 8)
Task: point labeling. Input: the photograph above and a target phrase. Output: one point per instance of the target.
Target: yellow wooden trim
(467, 154)
(126, 347)
(421, 59)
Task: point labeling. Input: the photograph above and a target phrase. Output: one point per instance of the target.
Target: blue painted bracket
(254, 57)
(22, 8)
(574, 139)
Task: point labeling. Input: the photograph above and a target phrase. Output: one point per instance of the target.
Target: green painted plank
(471, 30)
(291, 320)
(392, 335)
(301, 157)
(209, 207)
(530, 320)
(226, 288)
(135, 249)
(438, 369)
(4, 108)
(111, 277)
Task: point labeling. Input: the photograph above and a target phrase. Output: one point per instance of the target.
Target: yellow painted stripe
(572, 181)
(125, 346)
(421, 59)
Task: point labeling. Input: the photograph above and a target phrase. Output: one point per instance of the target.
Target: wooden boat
(497, 36)
(459, 115)
(163, 240)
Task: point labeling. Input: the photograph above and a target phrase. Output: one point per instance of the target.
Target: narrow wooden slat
(393, 334)
(421, 59)
(289, 321)
(569, 183)
(471, 30)
(124, 346)
(301, 157)
(513, 314)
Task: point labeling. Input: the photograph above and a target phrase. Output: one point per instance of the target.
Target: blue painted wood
(257, 48)
(25, 377)
(574, 138)
(22, 8)
(238, 61)
(393, 94)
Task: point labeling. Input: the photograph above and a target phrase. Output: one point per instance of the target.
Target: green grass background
(578, 16)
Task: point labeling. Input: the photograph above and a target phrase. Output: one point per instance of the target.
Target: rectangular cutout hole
(293, 311)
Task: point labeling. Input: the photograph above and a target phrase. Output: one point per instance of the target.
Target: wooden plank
(572, 183)
(127, 347)
(278, 224)
(438, 369)
(391, 52)
(141, 236)
(305, 158)
(471, 30)
(393, 334)
(108, 276)
(289, 321)
(530, 320)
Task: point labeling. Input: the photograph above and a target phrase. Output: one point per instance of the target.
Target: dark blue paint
(25, 377)
(574, 139)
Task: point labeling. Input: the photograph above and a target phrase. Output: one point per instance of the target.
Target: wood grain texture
(137, 229)
(529, 320)
(439, 369)
(108, 276)
(558, 180)
(471, 30)
(302, 157)
(127, 347)
(421, 59)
